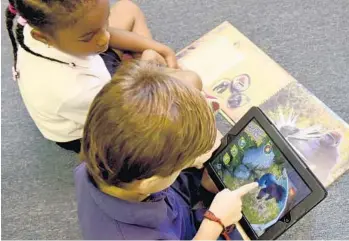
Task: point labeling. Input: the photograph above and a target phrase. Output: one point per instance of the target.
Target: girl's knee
(126, 5)
(124, 14)
(128, 16)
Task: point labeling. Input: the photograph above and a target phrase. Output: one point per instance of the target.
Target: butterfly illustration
(236, 86)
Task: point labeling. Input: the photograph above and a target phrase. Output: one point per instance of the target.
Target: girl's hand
(153, 56)
(125, 40)
(170, 57)
(227, 205)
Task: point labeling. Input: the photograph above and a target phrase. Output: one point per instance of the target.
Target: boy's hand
(227, 205)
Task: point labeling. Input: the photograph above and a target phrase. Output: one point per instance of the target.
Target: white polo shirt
(58, 96)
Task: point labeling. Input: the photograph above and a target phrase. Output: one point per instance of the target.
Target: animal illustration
(236, 86)
(271, 188)
(219, 169)
(261, 157)
(258, 158)
(283, 181)
(317, 147)
(224, 166)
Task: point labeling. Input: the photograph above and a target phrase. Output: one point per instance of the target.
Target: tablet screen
(252, 156)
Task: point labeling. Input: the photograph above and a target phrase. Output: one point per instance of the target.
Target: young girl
(65, 57)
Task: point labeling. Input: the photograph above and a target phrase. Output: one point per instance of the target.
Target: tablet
(254, 150)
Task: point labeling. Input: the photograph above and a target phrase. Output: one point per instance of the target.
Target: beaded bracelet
(226, 230)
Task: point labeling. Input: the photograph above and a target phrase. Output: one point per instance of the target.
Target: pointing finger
(243, 190)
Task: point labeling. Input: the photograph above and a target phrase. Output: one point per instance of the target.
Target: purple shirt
(165, 215)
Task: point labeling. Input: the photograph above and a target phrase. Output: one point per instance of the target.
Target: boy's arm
(208, 230)
(227, 208)
(125, 40)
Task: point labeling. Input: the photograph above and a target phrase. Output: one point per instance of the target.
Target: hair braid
(39, 14)
(20, 39)
(9, 24)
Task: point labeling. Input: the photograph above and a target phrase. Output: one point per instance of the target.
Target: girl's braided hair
(45, 15)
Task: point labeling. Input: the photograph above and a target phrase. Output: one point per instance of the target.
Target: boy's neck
(122, 193)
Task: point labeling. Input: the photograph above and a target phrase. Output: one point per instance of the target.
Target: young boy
(142, 130)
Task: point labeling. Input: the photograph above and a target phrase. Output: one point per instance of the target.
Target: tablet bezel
(318, 192)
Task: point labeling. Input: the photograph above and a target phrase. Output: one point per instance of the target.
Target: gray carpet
(309, 38)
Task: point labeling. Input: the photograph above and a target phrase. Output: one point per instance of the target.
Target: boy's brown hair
(145, 123)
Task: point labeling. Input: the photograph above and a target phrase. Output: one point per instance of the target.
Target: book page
(234, 70)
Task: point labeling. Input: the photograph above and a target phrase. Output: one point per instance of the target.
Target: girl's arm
(125, 40)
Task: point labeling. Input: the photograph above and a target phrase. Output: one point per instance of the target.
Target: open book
(241, 75)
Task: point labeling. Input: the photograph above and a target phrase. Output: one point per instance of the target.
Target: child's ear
(146, 183)
(40, 36)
